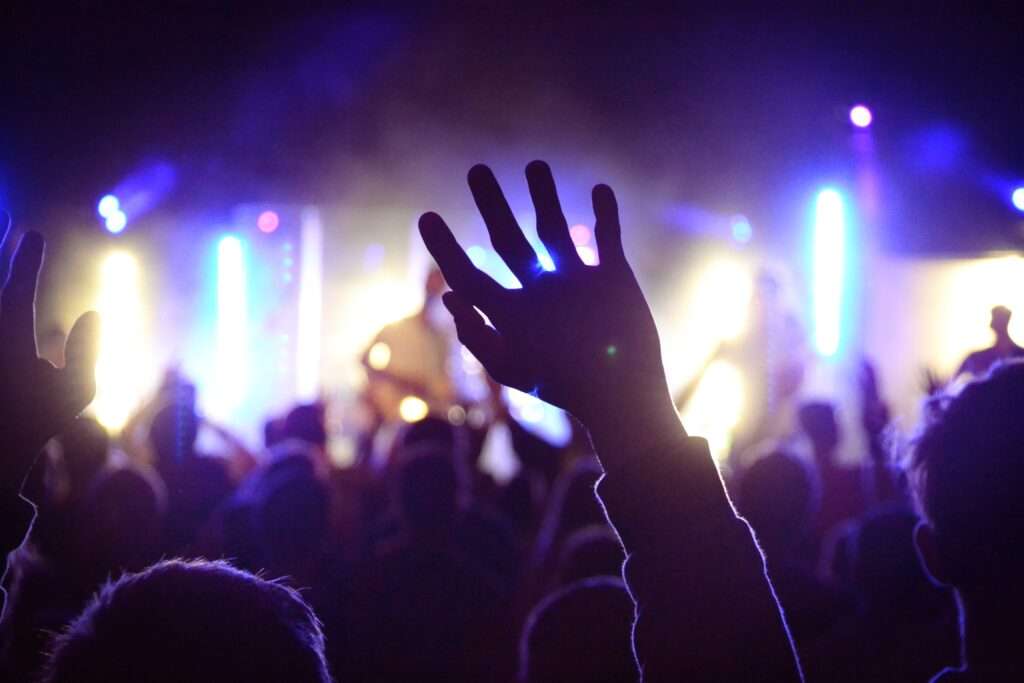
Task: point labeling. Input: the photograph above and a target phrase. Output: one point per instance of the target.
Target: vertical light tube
(307, 348)
(829, 267)
(121, 366)
(232, 329)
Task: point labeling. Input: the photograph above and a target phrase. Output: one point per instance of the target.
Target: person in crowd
(977, 363)
(778, 497)
(968, 476)
(432, 606)
(583, 338)
(580, 633)
(196, 483)
(843, 497)
(904, 628)
(191, 621)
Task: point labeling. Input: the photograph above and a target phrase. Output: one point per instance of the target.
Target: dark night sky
(293, 102)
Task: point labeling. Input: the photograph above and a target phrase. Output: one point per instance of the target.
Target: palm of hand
(574, 336)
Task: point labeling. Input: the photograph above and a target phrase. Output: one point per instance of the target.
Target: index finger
(17, 301)
(459, 272)
(506, 236)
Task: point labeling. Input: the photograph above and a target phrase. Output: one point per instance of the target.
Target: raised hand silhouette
(37, 400)
(580, 337)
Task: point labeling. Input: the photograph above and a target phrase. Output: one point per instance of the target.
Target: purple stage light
(861, 116)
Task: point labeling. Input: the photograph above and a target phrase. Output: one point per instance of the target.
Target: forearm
(706, 610)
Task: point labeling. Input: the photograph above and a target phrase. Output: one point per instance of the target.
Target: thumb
(81, 352)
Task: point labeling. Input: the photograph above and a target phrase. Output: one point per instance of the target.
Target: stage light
(742, 232)
(716, 407)
(232, 329)
(829, 241)
(544, 260)
(726, 287)
(116, 221)
(268, 221)
(580, 234)
(1018, 198)
(379, 356)
(122, 366)
(861, 116)
(413, 408)
(108, 204)
(966, 291)
(457, 415)
(587, 255)
(307, 348)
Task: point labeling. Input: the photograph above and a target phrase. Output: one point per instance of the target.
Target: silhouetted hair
(191, 621)
(428, 488)
(581, 633)
(968, 471)
(777, 496)
(592, 551)
(306, 423)
(173, 432)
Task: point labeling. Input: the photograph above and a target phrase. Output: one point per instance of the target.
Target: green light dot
(612, 350)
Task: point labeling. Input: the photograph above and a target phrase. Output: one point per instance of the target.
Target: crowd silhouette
(622, 556)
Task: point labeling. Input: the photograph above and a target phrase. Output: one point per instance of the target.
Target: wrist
(634, 425)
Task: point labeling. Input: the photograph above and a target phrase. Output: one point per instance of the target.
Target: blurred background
(236, 187)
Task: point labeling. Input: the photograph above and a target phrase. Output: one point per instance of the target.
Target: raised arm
(583, 338)
(37, 400)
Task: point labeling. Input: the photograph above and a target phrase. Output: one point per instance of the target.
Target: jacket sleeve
(705, 609)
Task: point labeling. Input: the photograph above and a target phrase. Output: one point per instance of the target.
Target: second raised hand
(580, 337)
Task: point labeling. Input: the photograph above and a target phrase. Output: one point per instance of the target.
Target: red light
(268, 221)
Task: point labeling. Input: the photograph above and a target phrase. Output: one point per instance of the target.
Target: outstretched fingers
(506, 236)
(482, 340)
(459, 272)
(81, 352)
(17, 302)
(552, 227)
(607, 232)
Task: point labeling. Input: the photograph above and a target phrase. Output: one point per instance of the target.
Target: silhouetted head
(588, 552)
(428, 490)
(191, 621)
(173, 433)
(886, 570)
(968, 472)
(273, 432)
(291, 511)
(1000, 322)
(580, 633)
(306, 423)
(84, 447)
(819, 423)
(777, 497)
(122, 519)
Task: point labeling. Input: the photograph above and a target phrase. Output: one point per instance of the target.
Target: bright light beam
(829, 238)
(121, 367)
(232, 329)
(307, 362)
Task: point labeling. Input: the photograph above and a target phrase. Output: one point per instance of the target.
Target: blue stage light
(1018, 198)
(116, 221)
(108, 205)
